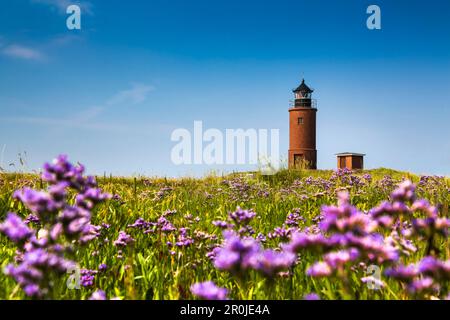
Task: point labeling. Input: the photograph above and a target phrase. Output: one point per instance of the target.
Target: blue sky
(110, 95)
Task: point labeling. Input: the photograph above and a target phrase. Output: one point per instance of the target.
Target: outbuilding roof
(350, 154)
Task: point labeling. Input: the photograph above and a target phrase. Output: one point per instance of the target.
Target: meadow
(298, 234)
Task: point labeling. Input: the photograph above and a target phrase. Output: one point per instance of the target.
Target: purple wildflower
(270, 262)
(311, 296)
(367, 177)
(346, 218)
(87, 277)
(374, 281)
(213, 253)
(301, 241)
(261, 237)
(319, 269)
(15, 229)
(98, 295)
(39, 202)
(123, 239)
(405, 192)
(62, 225)
(32, 272)
(165, 225)
(183, 239)
(282, 233)
(209, 291)
(242, 216)
(293, 219)
(435, 268)
(222, 224)
(338, 259)
(140, 223)
(32, 219)
(236, 253)
(105, 225)
(403, 273)
(422, 286)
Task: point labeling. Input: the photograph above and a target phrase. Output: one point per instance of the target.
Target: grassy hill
(153, 267)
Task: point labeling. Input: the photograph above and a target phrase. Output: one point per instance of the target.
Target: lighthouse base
(302, 159)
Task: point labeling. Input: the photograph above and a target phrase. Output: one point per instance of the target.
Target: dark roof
(350, 154)
(303, 88)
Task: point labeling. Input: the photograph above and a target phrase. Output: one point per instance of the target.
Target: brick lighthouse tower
(302, 129)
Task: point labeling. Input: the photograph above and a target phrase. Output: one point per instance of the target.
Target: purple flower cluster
(424, 277)
(311, 297)
(435, 268)
(16, 230)
(367, 177)
(98, 295)
(235, 254)
(281, 232)
(346, 218)
(169, 212)
(347, 237)
(165, 225)
(87, 277)
(386, 183)
(222, 224)
(270, 262)
(45, 205)
(183, 239)
(240, 189)
(314, 242)
(405, 246)
(238, 219)
(117, 198)
(123, 239)
(32, 219)
(162, 224)
(404, 193)
(202, 235)
(162, 193)
(341, 172)
(33, 273)
(40, 258)
(432, 224)
(241, 216)
(240, 254)
(401, 213)
(294, 219)
(209, 291)
(140, 223)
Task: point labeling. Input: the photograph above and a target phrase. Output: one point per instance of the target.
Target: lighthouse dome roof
(303, 88)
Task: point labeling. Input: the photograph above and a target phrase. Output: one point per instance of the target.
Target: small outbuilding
(350, 160)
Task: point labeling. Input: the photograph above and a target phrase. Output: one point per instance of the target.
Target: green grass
(148, 271)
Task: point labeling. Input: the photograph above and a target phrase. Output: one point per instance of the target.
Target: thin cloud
(22, 52)
(65, 123)
(137, 94)
(26, 52)
(88, 114)
(68, 123)
(64, 40)
(88, 118)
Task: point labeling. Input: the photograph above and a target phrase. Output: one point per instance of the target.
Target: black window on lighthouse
(300, 120)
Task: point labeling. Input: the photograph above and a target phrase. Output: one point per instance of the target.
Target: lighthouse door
(298, 160)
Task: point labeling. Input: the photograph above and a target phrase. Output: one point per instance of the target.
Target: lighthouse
(302, 129)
